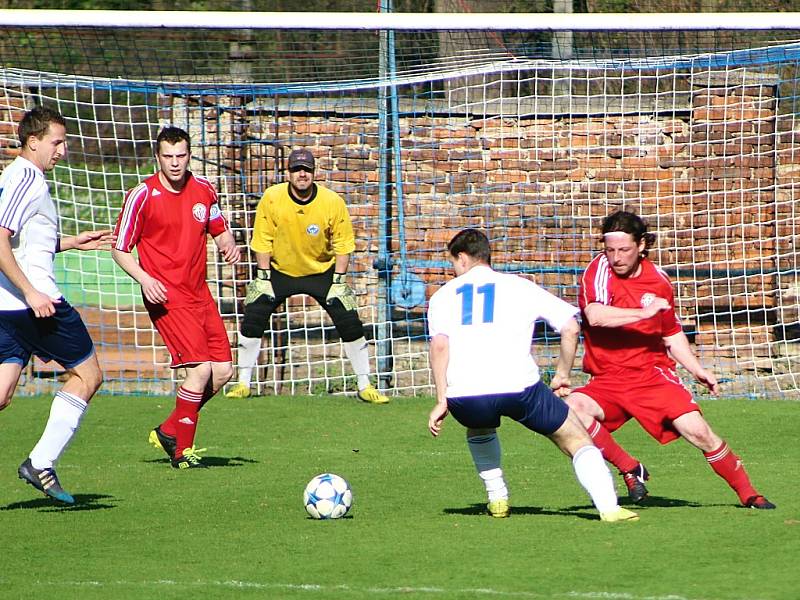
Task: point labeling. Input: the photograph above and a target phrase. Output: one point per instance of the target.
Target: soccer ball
(327, 496)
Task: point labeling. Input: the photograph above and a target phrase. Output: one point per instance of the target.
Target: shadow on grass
(664, 502)
(652, 502)
(83, 502)
(586, 511)
(572, 511)
(212, 461)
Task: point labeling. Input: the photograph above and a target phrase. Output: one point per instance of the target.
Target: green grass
(417, 528)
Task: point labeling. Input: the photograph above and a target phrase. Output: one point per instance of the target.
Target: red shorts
(193, 334)
(654, 399)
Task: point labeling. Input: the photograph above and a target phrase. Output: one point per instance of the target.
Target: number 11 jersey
(489, 319)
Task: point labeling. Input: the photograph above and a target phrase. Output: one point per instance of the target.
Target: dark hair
(172, 135)
(472, 243)
(36, 122)
(632, 224)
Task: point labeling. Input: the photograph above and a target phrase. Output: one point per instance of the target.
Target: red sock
(169, 425)
(612, 451)
(728, 466)
(186, 406)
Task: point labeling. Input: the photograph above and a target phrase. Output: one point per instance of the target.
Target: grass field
(417, 528)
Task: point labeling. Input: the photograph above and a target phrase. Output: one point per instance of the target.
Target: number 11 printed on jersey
(468, 293)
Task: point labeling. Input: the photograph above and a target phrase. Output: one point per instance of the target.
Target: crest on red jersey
(647, 299)
(199, 212)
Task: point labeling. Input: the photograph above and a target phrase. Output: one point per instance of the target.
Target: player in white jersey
(34, 316)
(481, 326)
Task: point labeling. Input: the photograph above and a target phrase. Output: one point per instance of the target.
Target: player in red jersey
(167, 218)
(631, 336)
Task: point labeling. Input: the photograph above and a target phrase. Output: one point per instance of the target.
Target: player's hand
(154, 291)
(230, 251)
(41, 304)
(260, 286)
(231, 254)
(342, 292)
(655, 307)
(102, 239)
(436, 417)
(560, 386)
(707, 379)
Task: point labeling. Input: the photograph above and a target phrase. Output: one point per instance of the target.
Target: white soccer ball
(327, 496)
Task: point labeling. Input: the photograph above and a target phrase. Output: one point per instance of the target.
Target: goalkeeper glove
(260, 286)
(342, 292)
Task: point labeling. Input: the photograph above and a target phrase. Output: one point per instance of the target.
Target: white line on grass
(313, 587)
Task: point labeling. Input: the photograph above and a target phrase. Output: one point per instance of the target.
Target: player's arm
(101, 239)
(221, 232)
(41, 304)
(344, 243)
(603, 315)
(227, 247)
(130, 223)
(154, 291)
(342, 263)
(568, 348)
(439, 357)
(680, 349)
(264, 231)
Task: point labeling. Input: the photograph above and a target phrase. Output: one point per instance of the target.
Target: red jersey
(620, 350)
(169, 231)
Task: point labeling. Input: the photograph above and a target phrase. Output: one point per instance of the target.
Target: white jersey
(489, 319)
(27, 210)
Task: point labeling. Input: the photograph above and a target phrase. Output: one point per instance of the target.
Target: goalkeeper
(302, 239)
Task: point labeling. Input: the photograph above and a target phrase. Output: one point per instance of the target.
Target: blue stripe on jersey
(17, 196)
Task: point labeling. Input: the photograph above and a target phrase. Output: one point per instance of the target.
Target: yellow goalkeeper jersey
(303, 239)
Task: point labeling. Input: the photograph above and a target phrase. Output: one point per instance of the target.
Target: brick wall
(704, 176)
(12, 107)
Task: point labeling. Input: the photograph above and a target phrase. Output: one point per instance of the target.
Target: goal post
(427, 124)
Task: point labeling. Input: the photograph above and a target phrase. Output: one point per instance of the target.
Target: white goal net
(530, 135)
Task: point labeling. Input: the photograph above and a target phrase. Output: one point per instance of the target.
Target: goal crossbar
(402, 21)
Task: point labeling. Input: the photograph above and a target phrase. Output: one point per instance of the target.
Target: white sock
(358, 355)
(593, 474)
(485, 450)
(248, 355)
(66, 412)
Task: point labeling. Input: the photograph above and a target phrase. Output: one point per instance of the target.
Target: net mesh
(525, 135)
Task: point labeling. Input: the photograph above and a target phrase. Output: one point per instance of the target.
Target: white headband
(615, 233)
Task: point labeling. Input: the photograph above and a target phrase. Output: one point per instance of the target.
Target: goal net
(530, 127)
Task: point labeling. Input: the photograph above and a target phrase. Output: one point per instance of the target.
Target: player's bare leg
(9, 377)
(696, 430)
(84, 379)
(590, 469)
(221, 373)
(484, 446)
